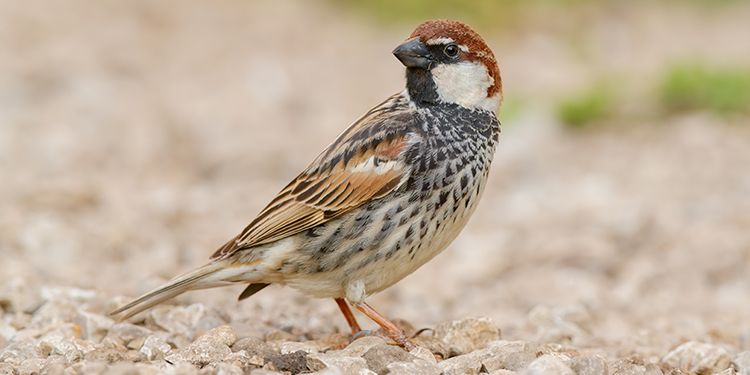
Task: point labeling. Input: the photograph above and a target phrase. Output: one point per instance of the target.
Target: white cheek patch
(465, 83)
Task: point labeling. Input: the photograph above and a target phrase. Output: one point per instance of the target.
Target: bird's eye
(451, 50)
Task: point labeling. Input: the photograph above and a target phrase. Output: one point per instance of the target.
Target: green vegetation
(484, 14)
(703, 88)
(493, 14)
(510, 110)
(587, 108)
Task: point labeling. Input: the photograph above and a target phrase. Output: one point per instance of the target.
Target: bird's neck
(421, 87)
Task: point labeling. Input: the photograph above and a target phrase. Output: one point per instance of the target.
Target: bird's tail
(214, 274)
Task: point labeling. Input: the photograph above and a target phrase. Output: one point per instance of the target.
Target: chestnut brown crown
(475, 47)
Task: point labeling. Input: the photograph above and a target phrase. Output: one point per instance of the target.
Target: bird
(389, 194)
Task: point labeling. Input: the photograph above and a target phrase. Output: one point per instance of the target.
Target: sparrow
(389, 194)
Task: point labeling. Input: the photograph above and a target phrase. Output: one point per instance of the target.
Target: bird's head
(446, 61)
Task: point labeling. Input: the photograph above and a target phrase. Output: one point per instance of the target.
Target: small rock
(293, 362)
(467, 335)
(223, 368)
(380, 356)
(548, 364)
(6, 333)
(424, 354)
(6, 368)
(262, 371)
(136, 344)
(741, 362)
(698, 357)
(417, 367)
(212, 346)
(55, 365)
(155, 348)
(52, 312)
(17, 352)
(433, 344)
(559, 324)
(93, 326)
(129, 368)
(17, 296)
(254, 350)
(126, 332)
(337, 364)
(589, 365)
(245, 361)
(31, 366)
(182, 368)
(72, 349)
(626, 367)
(107, 355)
(89, 367)
(279, 335)
(511, 355)
(361, 345)
(287, 347)
(186, 320)
(468, 364)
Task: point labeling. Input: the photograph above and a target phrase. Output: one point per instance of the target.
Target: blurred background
(138, 136)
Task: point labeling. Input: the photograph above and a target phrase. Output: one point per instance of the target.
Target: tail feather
(208, 276)
(252, 289)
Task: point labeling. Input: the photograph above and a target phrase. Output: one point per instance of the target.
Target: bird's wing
(366, 162)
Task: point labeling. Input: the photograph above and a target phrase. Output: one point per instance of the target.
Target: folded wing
(367, 162)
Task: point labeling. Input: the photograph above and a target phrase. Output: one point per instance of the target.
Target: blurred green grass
(498, 14)
(587, 108)
(702, 87)
(484, 14)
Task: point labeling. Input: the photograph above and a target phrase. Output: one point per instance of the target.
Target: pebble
(698, 357)
(337, 364)
(380, 356)
(418, 367)
(126, 332)
(589, 365)
(741, 362)
(93, 326)
(361, 345)
(509, 355)
(292, 362)
(253, 347)
(549, 364)
(627, 367)
(424, 354)
(559, 324)
(466, 335)
(287, 347)
(17, 295)
(65, 334)
(155, 348)
(212, 346)
(186, 321)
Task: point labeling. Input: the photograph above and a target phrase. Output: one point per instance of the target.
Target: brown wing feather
(352, 171)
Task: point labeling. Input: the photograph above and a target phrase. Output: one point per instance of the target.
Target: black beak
(414, 54)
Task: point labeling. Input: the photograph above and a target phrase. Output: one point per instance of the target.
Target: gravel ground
(136, 137)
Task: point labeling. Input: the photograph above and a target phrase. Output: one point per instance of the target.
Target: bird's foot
(367, 332)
